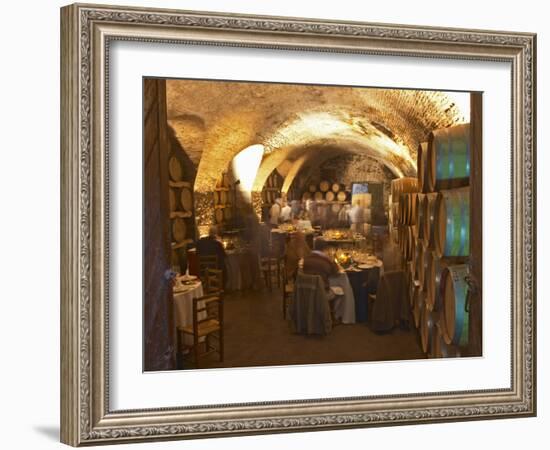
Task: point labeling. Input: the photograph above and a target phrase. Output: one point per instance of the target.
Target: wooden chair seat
(208, 322)
(204, 328)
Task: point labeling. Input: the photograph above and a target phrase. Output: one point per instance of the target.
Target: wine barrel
(179, 229)
(403, 186)
(418, 304)
(218, 214)
(440, 348)
(335, 187)
(227, 213)
(454, 291)
(448, 158)
(419, 263)
(318, 196)
(174, 169)
(409, 282)
(329, 196)
(422, 157)
(419, 217)
(172, 200)
(341, 196)
(452, 223)
(432, 281)
(427, 329)
(270, 181)
(408, 242)
(428, 213)
(407, 209)
(336, 208)
(306, 196)
(324, 186)
(216, 195)
(186, 199)
(312, 188)
(223, 197)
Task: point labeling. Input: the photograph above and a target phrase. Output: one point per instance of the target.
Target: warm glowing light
(245, 166)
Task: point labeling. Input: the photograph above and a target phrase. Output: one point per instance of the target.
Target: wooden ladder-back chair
(213, 281)
(208, 323)
(288, 291)
(207, 262)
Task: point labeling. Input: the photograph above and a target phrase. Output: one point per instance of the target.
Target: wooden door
(158, 312)
(377, 203)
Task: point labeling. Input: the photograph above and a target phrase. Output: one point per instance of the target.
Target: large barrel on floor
(403, 186)
(448, 163)
(439, 348)
(452, 223)
(454, 291)
(421, 159)
(428, 217)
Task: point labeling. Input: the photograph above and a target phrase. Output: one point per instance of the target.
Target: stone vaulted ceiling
(301, 125)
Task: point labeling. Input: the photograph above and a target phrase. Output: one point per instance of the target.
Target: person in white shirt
(285, 212)
(275, 212)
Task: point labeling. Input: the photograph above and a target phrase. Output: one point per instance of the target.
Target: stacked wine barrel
(223, 200)
(431, 221)
(180, 200)
(331, 196)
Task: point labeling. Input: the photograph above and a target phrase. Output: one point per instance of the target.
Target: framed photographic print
(276, 224)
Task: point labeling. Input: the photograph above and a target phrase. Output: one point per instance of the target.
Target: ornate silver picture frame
(87, 32)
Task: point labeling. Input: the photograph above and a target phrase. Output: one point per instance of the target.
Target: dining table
(242, 268)
(364, 278)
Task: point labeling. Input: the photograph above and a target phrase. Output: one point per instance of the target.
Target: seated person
(319, 263)
(211, 245)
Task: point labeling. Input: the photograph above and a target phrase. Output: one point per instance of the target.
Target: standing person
(356, 218)
(275, 213)
(285, 212)
(295, 209)
(343, 216)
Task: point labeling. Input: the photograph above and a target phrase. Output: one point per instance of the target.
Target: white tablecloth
(234, 280)
(183, 304)
(345, 307)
